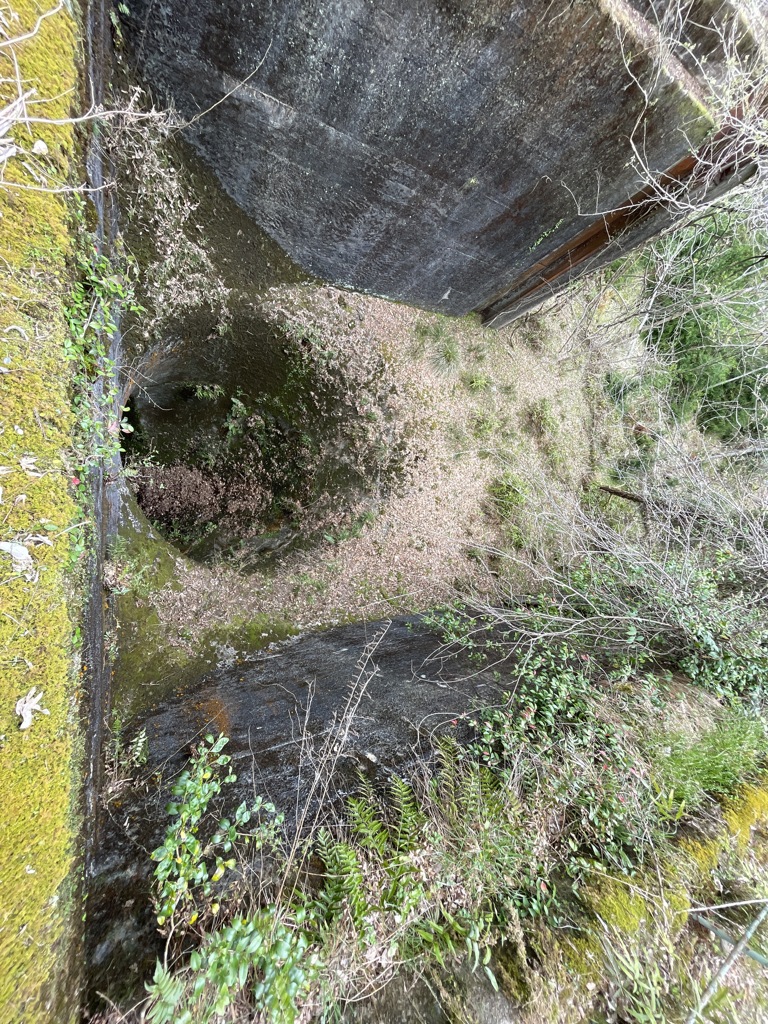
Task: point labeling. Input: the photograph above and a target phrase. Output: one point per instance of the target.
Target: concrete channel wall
(451, 154)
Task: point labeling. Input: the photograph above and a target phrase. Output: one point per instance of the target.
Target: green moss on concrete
(510, 964)
(701, 857)
(696, 860)
(583, 957)
(746, 811)
(248, 635)
(152, 663)
(144, 562)
(148, 662)
(35, 625)
(617, 903)
(652, 908)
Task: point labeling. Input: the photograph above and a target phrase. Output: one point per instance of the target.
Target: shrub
(550, 793)
(550, 728)
(390, 893)
(709, 292)
(258, 953)
(264, 951)
(680, 583)
(509, 494)
(186, 878)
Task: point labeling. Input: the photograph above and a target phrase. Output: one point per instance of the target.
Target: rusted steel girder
(724, 161)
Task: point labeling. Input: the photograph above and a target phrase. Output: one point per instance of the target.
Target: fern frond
(445, 788)
(505, 792)
(365, 789)
(166, 991)
(366, 825)
(343, 884)
(410, 820)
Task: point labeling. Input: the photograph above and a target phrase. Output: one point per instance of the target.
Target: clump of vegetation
(521, 824)
(544, 423)
(619, 387)
(130, 570)
(477, 382)
(100, 288)
(208, 392)
(542, 418)
(123, 759)
(256, 951)
(717, 764)
(509, 494)
(437, 338)
(676, 581)
(708, 297)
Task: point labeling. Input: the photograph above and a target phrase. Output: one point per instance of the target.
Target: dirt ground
(485, 404)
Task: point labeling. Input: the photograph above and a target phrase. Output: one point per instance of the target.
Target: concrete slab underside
(431, 151)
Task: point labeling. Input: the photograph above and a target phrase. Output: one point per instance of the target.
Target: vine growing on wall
(102, 288)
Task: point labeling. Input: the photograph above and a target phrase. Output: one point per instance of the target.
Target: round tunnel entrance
(263, 439)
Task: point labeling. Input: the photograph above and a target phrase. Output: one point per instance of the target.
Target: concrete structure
(457, 155)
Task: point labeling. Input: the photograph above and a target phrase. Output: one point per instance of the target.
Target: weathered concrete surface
(278, 709)
(432, 151)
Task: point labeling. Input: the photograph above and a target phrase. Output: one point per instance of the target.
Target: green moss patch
(35, 625)
(645, 919)
(155, 659)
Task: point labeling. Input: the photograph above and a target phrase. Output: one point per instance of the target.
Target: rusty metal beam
(621, 229)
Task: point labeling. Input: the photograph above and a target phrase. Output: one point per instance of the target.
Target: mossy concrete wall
(645, 917)
(36, 631)
(432, 151)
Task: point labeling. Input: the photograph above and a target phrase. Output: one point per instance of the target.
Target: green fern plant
(366, 820)
(343, 891)
(409, 818)
(166, 992)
